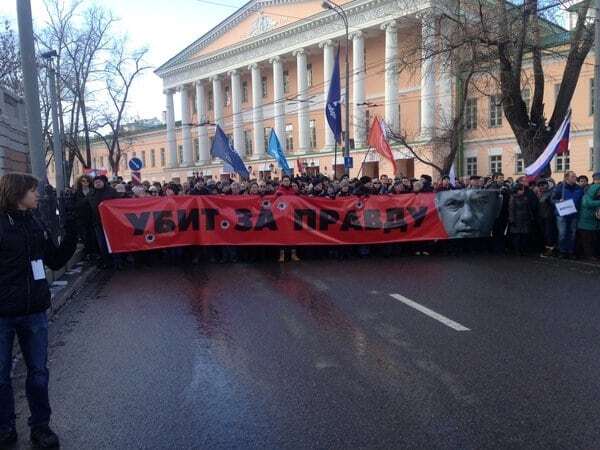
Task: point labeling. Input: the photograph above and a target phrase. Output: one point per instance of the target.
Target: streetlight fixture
(328, 4)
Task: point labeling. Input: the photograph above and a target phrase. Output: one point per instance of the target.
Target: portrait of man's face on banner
(468, 213)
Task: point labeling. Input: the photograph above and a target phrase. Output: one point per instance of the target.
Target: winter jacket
(571, 192)
(589, 205)
(98, 196)
(24, 239)
(520, 216)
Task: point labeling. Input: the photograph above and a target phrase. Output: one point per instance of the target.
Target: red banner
(152, 223)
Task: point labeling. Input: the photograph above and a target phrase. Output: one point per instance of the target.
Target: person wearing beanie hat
(102, 191)
(596, 178)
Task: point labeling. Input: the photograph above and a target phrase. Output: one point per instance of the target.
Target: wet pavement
(317, 354)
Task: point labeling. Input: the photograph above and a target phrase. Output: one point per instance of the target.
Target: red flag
(378, 141)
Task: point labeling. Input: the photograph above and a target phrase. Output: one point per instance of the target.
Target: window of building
(591, 96)
(245, 92)
(152, 158)
(162, 157)
(472, 166)
(526, 95)
(495, 111)
(143, 158)
(266, 135)
(309, 75)
(368, 121)
(210, 100)
(471, 114)
(519, 163)
(563, 162)
(124, 161)
(495, 163)
(196, 150)
(264, 87)
(313, 134)
(556, 91)
(286, 82)
(227, 96)
(94, 166)
(289, 138)
(230, 139)
(180, 154)
(591, 158)
(248, 141)
(102, 162)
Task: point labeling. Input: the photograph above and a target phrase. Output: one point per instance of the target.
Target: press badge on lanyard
(37, 267)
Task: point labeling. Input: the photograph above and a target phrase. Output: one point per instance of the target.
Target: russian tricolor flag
(557, 146)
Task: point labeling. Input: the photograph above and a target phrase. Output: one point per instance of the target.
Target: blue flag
(276, 152)
(222, 149)
(333, 107)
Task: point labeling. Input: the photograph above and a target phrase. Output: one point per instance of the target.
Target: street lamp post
(32, 93)
(56, 137)
(328, 4)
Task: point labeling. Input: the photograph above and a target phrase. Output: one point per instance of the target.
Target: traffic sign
(348, 162)
(135, 164)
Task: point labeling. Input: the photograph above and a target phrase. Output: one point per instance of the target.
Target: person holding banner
(567, 201)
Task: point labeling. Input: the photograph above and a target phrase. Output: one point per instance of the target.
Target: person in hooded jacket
(102, 191)
(588, 224)
(25, 248)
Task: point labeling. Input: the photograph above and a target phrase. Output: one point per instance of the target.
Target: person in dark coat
(520, 219)
(102, 191)
(83, 214)
(26, 248)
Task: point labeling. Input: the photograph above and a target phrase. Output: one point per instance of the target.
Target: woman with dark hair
(25, 248)
(83, 214)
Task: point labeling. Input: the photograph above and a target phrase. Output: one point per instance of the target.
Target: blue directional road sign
(135, 164)
(348, 162)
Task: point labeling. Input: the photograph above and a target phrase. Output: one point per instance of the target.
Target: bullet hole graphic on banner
(224, 224)
(266, 204)
(281, 206)
(150, 238)
(360, 205)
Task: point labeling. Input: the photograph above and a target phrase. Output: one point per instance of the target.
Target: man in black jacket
(25, 248)
(102, 191)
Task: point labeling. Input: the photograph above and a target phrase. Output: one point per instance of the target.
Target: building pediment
(254, 19)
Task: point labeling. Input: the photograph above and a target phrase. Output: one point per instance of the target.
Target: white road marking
(448, 322)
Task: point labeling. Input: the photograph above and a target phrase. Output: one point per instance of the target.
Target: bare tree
(121, 70)
(522, 37)
(463, 62)
(81, 39)
(10, 61)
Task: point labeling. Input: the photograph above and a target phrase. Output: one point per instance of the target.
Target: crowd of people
(527, 222)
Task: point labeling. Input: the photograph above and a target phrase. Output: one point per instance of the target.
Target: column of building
(257, 112)
(358, 90)
(203, 142)
(239, 144)
(302, 101)
(391, 74)
(278, 100)
(171, 139)
(186, 128)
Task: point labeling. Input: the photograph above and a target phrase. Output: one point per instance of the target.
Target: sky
(165, 26)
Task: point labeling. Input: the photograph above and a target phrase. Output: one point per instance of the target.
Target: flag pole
(335, 160)
(363, 162)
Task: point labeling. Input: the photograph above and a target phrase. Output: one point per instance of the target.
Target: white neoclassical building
(268, 66)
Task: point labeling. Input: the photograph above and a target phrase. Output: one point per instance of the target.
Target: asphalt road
(319, 355)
